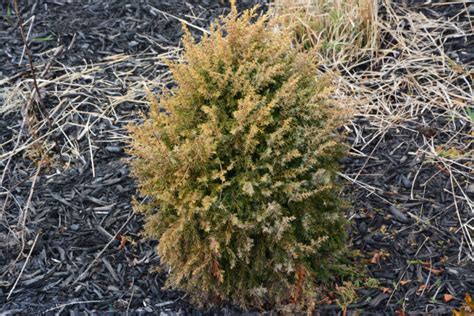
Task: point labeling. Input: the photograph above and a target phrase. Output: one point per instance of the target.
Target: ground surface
(69, 240)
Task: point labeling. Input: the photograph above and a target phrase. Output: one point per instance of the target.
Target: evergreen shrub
(239, 162)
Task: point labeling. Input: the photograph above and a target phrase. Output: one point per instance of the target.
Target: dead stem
(37, 112)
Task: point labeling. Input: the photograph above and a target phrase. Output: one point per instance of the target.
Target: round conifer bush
(239, 165)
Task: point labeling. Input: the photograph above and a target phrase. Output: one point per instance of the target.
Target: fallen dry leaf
(386, 290)
(433, 270)
(436, 271)
(400, 312)
(403, 282)
(448, 298)
(377, 256)
(123, 241)
(422, 288)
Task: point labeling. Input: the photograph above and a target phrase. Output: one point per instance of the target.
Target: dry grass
(408, 82)
(340, 28)
(86, 91)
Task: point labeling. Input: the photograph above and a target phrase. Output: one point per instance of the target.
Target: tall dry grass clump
(239, 162)
(341, 29)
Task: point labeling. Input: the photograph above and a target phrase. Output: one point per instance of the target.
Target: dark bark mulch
(87, 254)
(405, 219)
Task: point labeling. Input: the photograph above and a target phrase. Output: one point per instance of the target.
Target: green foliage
(372, 283)
(470, 114)
(239, 161)
(43, 39)
(346, 295)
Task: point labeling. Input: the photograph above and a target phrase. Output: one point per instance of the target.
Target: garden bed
(69, 239)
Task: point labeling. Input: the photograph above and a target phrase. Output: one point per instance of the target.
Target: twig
(131, 297)
(40, 109)
(27, 37)
(69, 304)
(24, 265)
(153, 9)
(23, 216)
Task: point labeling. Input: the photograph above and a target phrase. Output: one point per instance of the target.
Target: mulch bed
(80, 249)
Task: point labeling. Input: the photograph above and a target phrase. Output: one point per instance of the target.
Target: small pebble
(74, 227)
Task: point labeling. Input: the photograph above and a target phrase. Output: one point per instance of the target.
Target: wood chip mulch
(70, 242)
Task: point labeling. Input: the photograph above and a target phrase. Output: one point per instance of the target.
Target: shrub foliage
(239, 162)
